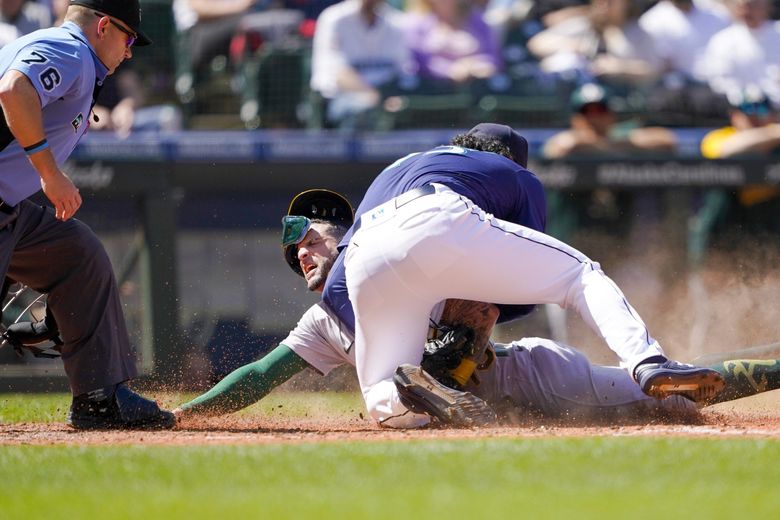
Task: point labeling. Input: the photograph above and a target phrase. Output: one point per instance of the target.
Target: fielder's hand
(445, 354)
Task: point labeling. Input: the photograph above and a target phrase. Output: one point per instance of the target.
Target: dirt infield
(754, 417)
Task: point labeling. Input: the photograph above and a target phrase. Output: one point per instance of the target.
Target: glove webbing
(467, 368)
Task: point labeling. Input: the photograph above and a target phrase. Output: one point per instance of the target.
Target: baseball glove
(453, 356)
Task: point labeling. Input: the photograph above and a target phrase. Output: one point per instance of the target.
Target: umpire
(49, 80)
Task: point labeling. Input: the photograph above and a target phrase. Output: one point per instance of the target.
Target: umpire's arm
(24, 117)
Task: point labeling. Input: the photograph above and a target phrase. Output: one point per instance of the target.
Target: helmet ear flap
(291, 256)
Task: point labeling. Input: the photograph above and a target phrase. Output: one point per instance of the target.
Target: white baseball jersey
(322, 340)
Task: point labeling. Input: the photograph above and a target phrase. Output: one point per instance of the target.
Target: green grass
(530, 478)
(564, 477)
(33, 407)
(54, 407)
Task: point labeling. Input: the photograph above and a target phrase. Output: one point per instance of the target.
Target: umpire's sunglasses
(294, 229)
(131, 36)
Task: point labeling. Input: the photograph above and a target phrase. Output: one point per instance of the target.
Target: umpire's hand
(61, 191)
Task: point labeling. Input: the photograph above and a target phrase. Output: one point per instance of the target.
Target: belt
(404, 198)
(416, 193)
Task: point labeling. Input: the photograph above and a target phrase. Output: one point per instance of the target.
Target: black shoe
(662, 379)
(421, 393)
(121, 408)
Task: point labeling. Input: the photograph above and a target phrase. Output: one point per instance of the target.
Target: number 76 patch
(50, 77)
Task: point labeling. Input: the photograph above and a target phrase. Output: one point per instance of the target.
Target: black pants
(67, 261)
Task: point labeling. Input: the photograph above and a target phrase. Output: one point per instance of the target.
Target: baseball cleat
(421, 393)
(660, 380)
(117, 409)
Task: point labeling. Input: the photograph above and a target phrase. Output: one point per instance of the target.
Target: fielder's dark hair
(483, 144)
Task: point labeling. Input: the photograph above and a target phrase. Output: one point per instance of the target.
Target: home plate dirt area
(757, 416)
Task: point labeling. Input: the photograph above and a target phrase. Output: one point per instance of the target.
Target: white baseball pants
(403, 261)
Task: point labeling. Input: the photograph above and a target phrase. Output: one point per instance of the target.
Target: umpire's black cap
(128, 11)
(516, 143)
(316, 204)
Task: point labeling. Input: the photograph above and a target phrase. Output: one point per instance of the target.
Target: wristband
(37, 147)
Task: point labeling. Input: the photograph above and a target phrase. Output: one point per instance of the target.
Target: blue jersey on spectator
(494, 183)
(52, 61)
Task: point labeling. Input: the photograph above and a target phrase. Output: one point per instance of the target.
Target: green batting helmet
(317, 204)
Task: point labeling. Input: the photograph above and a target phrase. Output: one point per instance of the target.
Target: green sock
(248, 384)
(745, 377)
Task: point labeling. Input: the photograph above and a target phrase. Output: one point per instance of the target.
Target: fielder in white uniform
(451, 223)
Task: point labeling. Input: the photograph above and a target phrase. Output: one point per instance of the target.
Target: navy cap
(516, 143)
(127, 11)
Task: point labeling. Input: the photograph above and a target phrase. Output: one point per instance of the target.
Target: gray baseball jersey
(533, 375)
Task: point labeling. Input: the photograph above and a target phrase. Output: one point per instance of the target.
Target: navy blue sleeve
(335, 295)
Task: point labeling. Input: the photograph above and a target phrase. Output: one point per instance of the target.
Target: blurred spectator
(754, 130)
(57, 9)
(716, 7)
(681, 32)
(451, 42)
(311, 8)
(606, 44)
(20, 17)
(206, 26)
(596, 132)
(120, 107)
(552, 12)
(594, 129)
(502, 14)
(747, 53)
(277, 22)
(358, 56)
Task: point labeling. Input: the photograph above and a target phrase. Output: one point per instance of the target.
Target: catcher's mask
(317, 204)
